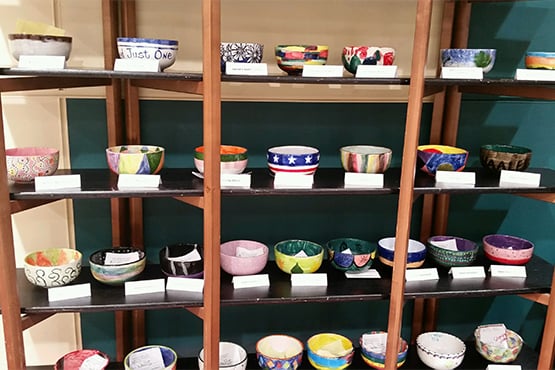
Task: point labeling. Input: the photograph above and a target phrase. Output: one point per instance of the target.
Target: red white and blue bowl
(297, 159)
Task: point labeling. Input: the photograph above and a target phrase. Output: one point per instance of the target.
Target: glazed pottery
(163, 51)
(298, 159)
(507, 249)
(182, 260)
(353, 56)
(243, 257)
(81, 359)
(350, 254)
(499, 157)
(415, 256)
(24, 164)
(499, 354)
(279, 352)
(540, 60)
(232, 357)
(52, 267)
(292, 58)
(240, 52)
(298, 256)
(365, 158)
(133, 359)
(32, 44)
(373, 348)
(440, 351)
(450, 251)
(118, 273)
(480, 58)
(329, 351)
(432, 158)
(135, 159)
(233, 159)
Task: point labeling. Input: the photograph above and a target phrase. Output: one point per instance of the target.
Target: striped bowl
(365, 158)
(116, 274)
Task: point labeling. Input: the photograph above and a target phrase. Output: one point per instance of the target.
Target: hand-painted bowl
(440, 351)
(135, 159)
(481, 58)
(353, 56)
(119, 270)
(52, 267)
(540, 60)
(279, 352)
(164, 51)
(432, 158)
(24, 164)
(292, 58)
(350, 254)
(373, 348)
(415, 256)
(499, 354)
(298, 256)
(507, 249)
(182, 260)
(232, 357)
(499, 157)
(329, 351)
(81, 358)
(450, 251)
(134, 359)
(293, 159)
(233, 159)
(34, 44)
(243, 257)
(240, 52)
(365, 158)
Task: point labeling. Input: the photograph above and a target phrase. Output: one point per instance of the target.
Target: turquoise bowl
(350, 254)
(117, 274)
(297, 256)
(329, 351)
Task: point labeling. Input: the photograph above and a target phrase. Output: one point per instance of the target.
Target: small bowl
(373, 349)
(240, 52)
(279, 352)
(350, 254)
(164, 51)
(540, 60)
(117, 274)
(52, 267)
(432, 158)
(365, 158)
(450, 251)
(499, 157)
(498, 354)
(243, 257)
(135, 159)
(168, 356)
(415, 256)
(353, 56)
(298, 159)
(74, 360)
(292, 58)
(329, 351)
(24, 164)
(507, 249)
(233, 159)
(182, 260)
(440, 351)
(232, 357)
(480, 58)
(33, 44)
(298, 256)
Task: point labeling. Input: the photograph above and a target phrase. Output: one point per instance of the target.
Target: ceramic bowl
(240, 52)
(81, 358)
(373, 348)
(440, 351)
(415, 256)
(298, 256)
(507, 249)
(329, 351)
(292, 58)
(279, 352)
(24, 164)
(164, 51)
(32, 44)
(480, 58)
(499, 157)
(432, 158)
(350, 254)
(353, 56)
(52, 267)
(243, 257)
(233, 159)
(499, 354)
(450, 251)
(232, 357)
(540, 60)
(365, 158)
(135, 159)
(182, 260)
(293, 159)
(134, 361)
(119, 271)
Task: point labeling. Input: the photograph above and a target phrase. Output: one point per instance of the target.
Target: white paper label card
(246, 253)
(368, 274)
(455, 177)
(421, 274)
(363, 180)
(503, 367)
(313, 279)
(94, 362)
(251, 281)
(137, 65)
(535, 74)
(507, 271)
(242, 180)
(246, 69)
(293, 180)
(366, 71)
(111, 258)
(185, 284)
(326, 70)
(145, 286)
(147, 359)
(192, 256)
(518, 178)
(462, 73)
(57, 182)
(468, 272)
(69, 292)
(494, 334)
(41, 62)
(138, 181)
(449, 244)
(375, 343)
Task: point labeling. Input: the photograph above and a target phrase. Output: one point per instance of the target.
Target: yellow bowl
(298, 256)
(329, 351)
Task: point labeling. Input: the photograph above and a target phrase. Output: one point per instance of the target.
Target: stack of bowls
(233, 159)
(296, 159)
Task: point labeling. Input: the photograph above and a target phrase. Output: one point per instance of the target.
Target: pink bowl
(506, 249)
(243, 257)
(24, 164)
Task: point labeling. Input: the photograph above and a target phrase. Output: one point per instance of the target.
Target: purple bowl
(507, 249)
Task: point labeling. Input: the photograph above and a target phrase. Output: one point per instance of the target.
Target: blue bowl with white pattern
(474, 58)
(296, 159)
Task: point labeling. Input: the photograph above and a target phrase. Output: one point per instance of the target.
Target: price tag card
(364, 71)
(148, 359)
(293, 180)
(185, 284)
(421, 274)
(192, 256)
(449, 244)
(231, 180)
(137, 65)
(126, 181)
(449, 178)
(94, 362)
(251, 281)
(144, 286)
(326, 70)
(535, 74)
(507, 271)
(69, 292)
(57, 182)
(503, 367)
(41, 62)
(375, 343)
(368, 274)
(494, 334)
(363, 180)
(246, 69)
(468, 272)
(314, 279)
(462, 73)
(519, 178)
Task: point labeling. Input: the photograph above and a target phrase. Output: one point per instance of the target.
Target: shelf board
(101, 73)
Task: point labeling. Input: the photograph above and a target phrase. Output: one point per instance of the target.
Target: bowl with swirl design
(52, 267)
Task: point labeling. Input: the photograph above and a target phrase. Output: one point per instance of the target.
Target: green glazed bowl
(298, 256)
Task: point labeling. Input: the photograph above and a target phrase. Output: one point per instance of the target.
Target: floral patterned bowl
(279, 352)
(481, 58)
(126, 263)
(440, 351)
(499, 354)
(432, 158)
(24, 164)
(135, 159)
(298, 256)
(292, 58)
(329, 351)
(240, 52)
(507, 249)
(350, 254)
(353, 56)
(233, 159)
(81, 359)
(52, 267)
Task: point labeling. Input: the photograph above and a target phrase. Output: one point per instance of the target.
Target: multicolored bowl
(134, 359)
(118, 272)
(240, 52)
(232, 357)
(540, 60)
(164, 51)
(296, 256)
(298, 159)
(279, 352)
(365, 158)
(507, 249)
(24, 164)
(373, 348)
(233, 159)
(81, 359)
(353, 56)
(328, 351)
(350, 254)
(182, 260)
(416, 254)
(292, 58)
(480, 58)
(135, 159)
(450, 251)
(432, 158)
(499, 157)
(499, 354)
(243, 257)
(52, 267)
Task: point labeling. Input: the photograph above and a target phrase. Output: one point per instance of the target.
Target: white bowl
(164, 51)
(46, 45)
(440, 351)
(52, 267)
(232, 357)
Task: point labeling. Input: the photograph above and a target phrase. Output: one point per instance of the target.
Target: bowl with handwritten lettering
(151, 357)
(297, 256)
(182, 260)
(52, 267)
(140, 49)
(115, 266)
(451, 251)
(350, 254)
(497, 157)
(243, 257)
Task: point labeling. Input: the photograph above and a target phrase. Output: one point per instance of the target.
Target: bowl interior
(441, 343)
(125, 255)
(135, 358)
(53, 257)
(351, 246)
(293, 150)
(279, 346)
(452, 243)
(231, 355)
(31, 152)
(389, 245)
(297, 247)
(509, 149)
(507, 242)
(329, 345)
(365, 150)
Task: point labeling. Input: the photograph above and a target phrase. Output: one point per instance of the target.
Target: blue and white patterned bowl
(119, 273)
(440, 351)
(164, 51)
(240, 52)
(481, 58)
(293, 159)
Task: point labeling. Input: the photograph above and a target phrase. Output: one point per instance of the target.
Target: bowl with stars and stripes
(295, 159)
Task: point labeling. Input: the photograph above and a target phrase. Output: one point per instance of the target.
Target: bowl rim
(248, 241)
(354, 149)
(116, 149)
(293, 150)
(41, 151)
(39, 37)
(445, 149)
(289, 337)
(518, 149)
(148, 40)
(283, 242)
(142, 256)
(339, 337)
(415, 243)
(475, 246)
(530, 244)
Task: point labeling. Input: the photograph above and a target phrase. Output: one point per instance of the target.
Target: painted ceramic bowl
(298, 256)
(440, 351)
(24, 164)
(350, 254)
(279, 352)
(499, 157)
(450, 251)
(233, 159)
(164, 51)
(292, 58)
(182, 260)
(232, 357)
(373, 348)
(507, 249)
(115, 266)
(353, 56)
(481, 58)
(499, 354)
(33, 44)
(240, 52)
(293, 159)
(52, 267)
(135, 159)
(365, 158)
(329, 351)
(540, 60)
(415, 256)
(432, 158)
(243, 257)
(81, 359)
(134, 359)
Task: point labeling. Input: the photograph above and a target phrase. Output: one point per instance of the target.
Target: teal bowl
(296, 256)
(350, 254)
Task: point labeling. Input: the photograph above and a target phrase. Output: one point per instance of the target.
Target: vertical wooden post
(548, 339)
